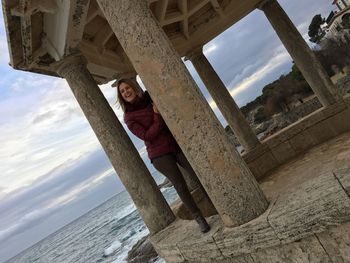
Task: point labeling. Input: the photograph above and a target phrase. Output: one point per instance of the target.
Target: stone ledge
(312, 130)
(298, 214)
(343, 176)
(316, 205)
(336, 243)
(256, 152)
(303, 251)
(256, 234)
(183, 241)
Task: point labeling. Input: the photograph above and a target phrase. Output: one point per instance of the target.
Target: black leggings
(167, 165)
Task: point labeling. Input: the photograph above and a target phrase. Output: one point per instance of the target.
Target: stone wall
(303, 109)
(298, 111)
(316, 128)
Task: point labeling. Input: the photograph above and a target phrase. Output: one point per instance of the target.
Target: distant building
(338, 22)
(341, 4)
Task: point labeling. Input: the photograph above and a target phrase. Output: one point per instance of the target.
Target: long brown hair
(133, 85)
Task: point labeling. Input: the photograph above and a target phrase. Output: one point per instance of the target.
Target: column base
(207, 208)
(308, 223)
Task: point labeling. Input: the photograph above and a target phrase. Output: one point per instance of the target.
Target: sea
(104, 234)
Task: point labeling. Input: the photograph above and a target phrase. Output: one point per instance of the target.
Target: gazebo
(90, 42)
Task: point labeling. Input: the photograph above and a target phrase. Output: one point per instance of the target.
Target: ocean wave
(128, 243)
(125, 212)
(113, 248)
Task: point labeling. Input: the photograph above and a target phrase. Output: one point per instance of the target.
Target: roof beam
(217, 7)
(24, 10)
(183, 7)
(198, 6)
(172, 18)
(26, 32)
(102, 37)
(160, 11)
(29, 7)
(93, 11)
(64, 29)
(108, 59)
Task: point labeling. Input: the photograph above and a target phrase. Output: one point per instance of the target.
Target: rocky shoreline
(142, 252)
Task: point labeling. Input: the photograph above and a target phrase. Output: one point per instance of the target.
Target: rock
(252, 115)
(142, 252)
(278, 122)
(262, 127)
(166, 184)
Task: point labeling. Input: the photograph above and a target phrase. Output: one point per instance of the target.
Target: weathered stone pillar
(301, 53)
(123, 155)
(224, 101)
(229, 183)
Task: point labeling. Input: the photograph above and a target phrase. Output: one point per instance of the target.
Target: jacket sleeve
(151, 132)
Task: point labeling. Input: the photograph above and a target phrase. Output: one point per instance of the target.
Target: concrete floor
(298, 211)
(324, 158)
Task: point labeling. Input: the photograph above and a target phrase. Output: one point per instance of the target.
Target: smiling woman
(144, 120)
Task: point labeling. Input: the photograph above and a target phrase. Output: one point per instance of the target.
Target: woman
(143, 119)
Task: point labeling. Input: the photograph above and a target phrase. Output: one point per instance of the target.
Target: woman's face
(127, 92)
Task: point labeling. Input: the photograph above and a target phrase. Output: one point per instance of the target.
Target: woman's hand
(155, 109)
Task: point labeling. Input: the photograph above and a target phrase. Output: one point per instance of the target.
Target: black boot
(202, 223)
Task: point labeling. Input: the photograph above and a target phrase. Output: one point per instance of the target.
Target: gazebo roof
(42, 31)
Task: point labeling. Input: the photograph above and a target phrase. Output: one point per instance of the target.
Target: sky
(53, 169)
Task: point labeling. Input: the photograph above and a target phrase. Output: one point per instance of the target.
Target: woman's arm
(147, 134)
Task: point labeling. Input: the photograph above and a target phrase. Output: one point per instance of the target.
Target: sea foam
(113, 248)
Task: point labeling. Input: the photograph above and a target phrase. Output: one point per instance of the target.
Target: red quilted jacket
(150, 127)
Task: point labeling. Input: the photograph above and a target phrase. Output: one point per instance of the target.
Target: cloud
(35, 216)
(4, 53)
(42, 117)
(42, 127)
(25, 222)
(250, 81)
(259, 74)
(67, 183)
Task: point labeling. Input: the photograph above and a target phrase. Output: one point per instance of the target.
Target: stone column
(229, 183)
(123, 155)
(224, 101)
(303, 56)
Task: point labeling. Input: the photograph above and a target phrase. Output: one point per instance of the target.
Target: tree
(315, 32)
(346, 21)
(334, 54)
(296, 73)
